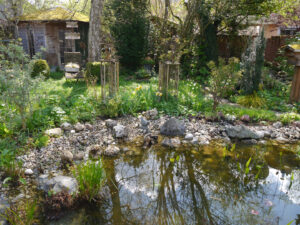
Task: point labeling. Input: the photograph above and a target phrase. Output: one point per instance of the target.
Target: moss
(54, 15)
(40, 67)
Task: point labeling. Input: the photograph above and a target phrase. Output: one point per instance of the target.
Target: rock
(88, 126)
(151, 114)
(144, 124)
(277, 125)
(110, 123)
(66, 126)
(242, 132)
(267, 133)
(150, 139)
(296, 124)
(262, 142)
(18, 197)
(79, 127)
(67, 157)
(94, 150)
(245, 118)
(55, 132)
(125, 149)
(203, 141)
(173, 127)
(189, 136)
(120, 131)
(273, 135)
(28, 172)
(195, 141)
(111, 150)
(171, 142)
(72, 131)
(282, 139)
(57, 184)
(249, 141)
(230, 118)
(79, 156)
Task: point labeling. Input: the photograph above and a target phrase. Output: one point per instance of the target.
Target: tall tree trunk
(94, 48)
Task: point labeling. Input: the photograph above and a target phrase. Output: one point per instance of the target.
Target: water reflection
(200, 186)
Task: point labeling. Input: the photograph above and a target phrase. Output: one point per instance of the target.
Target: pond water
(203, 185)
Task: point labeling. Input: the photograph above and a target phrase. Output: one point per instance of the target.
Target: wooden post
(295, 90)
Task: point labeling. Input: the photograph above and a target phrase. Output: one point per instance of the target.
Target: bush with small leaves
(223, 78)
(40, 68)
(18, 88)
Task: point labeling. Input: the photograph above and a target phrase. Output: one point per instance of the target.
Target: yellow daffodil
(138, 88)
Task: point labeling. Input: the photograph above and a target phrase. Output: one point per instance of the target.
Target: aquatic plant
(247, 166)
(90, 177)
(58, 201)
(22, 214)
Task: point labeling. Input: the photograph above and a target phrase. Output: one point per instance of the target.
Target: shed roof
(55, 14)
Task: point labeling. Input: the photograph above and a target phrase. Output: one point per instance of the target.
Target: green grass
(90, 177)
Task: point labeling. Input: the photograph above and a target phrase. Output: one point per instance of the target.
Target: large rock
(55, 132)
(242, 132)
(120, 131)
(171, 142)
(58, 184)
(173, 127)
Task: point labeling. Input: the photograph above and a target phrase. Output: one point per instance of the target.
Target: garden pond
(199, 185)
(212, 184)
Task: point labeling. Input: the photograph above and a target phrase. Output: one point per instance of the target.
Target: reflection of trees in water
(157, 191)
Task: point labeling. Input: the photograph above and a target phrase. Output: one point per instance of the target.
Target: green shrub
(40, 67)
(251, 101)
(223, 78)
(111, 107)
(22, 214)
(42, 141)
(142, 74)
(289, 117)
(3, 130)
(92, 70)
(90, 177)
(129, 26)
(57, 75)
(19, 92)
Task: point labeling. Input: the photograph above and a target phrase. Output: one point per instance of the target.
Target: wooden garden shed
(48, 30)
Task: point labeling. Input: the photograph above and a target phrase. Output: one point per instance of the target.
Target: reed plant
(90, 177)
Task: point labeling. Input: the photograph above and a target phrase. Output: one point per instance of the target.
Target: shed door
(39, 37)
